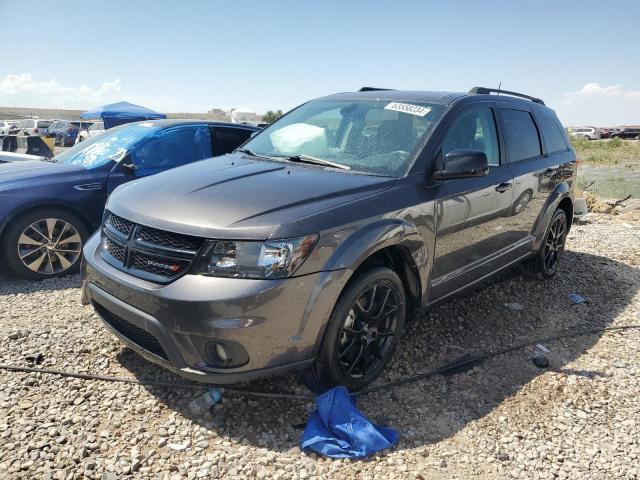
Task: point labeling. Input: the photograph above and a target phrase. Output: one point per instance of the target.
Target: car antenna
(499, 85)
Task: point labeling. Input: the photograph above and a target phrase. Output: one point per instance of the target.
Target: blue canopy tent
(122, 112)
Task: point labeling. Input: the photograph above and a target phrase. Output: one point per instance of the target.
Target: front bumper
(277, 322)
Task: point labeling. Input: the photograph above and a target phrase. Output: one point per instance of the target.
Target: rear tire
(545, 264)
(362, 332)
(44, 243)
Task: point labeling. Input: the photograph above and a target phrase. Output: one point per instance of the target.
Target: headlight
(270, 259)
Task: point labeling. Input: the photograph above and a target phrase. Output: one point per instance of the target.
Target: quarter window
(226, 140)
(474, 130)
(522, 135)
(553, 133)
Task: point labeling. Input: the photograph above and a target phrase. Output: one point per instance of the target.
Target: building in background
(244, 115)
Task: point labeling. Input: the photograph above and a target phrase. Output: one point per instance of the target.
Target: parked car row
(65, 132)
(594, 133)
(304, 246)
(27, 126)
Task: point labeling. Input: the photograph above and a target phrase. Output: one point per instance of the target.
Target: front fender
(362, 243)
(347, 250)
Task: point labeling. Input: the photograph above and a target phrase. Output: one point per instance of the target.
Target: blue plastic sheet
(337, 429)
(576, 298)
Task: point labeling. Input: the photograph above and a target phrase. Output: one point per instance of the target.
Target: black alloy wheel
(362, 332)
(368, 330)
(545, 264)
(554, 243)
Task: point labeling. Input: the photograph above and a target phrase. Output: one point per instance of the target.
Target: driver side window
(171, 148)
(474, 130)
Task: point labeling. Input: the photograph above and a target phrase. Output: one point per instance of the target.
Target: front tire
(44, 243)
(362, 332)
(545, 264)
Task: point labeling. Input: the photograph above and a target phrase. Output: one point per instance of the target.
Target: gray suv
(308, 246)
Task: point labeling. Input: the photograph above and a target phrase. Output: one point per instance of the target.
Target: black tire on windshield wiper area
(317, 161)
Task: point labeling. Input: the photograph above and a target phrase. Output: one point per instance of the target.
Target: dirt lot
(503, 419)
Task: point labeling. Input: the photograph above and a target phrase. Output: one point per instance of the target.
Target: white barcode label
(418, 110)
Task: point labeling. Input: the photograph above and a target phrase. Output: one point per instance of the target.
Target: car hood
(33, 171)
(18, 157)
(237, 197)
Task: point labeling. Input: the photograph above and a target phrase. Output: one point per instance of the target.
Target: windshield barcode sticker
(408, 108)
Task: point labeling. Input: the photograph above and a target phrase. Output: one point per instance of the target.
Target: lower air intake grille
(135, 334)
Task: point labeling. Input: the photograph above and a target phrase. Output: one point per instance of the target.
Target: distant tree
(271, 116)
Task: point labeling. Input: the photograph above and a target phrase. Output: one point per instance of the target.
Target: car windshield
(370, 136)
(105, 148)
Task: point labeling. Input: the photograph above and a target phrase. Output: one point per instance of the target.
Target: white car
(94, 129)
(588, 133)
(33, 126)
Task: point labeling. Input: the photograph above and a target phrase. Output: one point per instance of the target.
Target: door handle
(503, 187)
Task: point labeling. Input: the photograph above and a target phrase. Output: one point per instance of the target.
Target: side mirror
(463, 164)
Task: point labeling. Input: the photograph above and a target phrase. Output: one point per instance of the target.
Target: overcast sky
(581, 57)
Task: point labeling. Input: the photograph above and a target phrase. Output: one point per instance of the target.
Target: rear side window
(226, 140)
(521, 134)
(553, 133)
(43, 124)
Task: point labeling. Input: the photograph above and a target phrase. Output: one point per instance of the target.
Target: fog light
(221, 353)
(225, 354)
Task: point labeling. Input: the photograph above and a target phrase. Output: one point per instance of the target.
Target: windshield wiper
(316, 161)
(247, 151)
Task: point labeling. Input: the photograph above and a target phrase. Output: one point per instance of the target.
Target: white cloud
(599, 105)
(23, 91)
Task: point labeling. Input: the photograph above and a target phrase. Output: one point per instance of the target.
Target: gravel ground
(503, 419)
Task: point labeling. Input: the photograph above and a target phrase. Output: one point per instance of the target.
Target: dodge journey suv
(307, 247)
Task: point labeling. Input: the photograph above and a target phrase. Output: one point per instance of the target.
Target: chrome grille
(155, 255)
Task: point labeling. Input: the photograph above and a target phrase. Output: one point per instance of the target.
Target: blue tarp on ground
(122, 112)
(337, 429)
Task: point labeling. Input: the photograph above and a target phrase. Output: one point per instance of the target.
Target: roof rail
(372, 89)
(487, 91)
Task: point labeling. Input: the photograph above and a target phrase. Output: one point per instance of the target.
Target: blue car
(64, 131)
(48, 209)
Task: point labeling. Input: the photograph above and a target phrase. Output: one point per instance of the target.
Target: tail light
(35, 130)
(578, 160)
